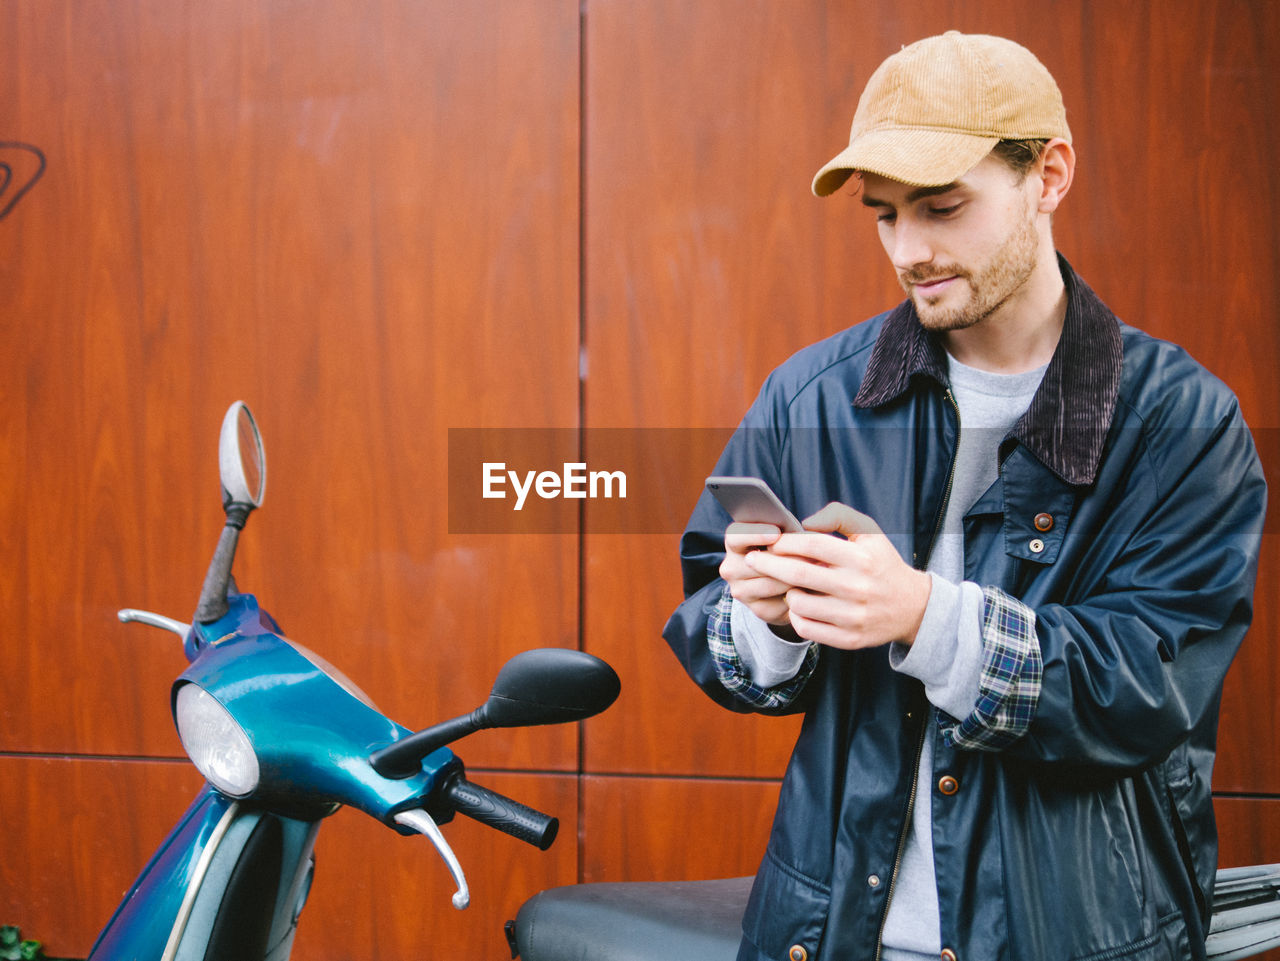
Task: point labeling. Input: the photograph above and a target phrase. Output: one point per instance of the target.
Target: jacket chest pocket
(1018, 527)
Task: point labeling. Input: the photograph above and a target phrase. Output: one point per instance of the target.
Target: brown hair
(1020, 155)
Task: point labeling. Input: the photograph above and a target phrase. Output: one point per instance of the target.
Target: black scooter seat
(702, 920)
(634, 921)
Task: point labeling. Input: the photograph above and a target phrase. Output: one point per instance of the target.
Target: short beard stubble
(989, 288)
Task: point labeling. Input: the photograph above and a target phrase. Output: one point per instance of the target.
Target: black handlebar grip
(497, 811)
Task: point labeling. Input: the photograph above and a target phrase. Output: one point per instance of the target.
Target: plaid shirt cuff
(732, 672)
(1011, 677)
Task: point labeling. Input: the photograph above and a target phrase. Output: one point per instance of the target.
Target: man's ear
(1055, 171)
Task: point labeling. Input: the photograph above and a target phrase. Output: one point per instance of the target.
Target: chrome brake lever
(422, 822)
(129, 615)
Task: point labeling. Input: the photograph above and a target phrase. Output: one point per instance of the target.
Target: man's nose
(911, 246)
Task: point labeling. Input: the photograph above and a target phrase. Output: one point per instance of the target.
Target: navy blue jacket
(1091, 835)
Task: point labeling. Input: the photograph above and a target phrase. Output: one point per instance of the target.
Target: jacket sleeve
(698, 632)
(732, 666)
(1119, 677)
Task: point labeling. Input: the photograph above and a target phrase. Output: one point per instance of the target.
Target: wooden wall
(379, 221)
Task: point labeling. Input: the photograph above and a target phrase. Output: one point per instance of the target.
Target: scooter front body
(230, 881)
(305, 730)
(228, 884)
(284, 739)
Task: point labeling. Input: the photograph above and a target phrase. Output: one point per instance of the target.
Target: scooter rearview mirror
(544, 686)
(241, 459)
(550, 686)
(242, 465)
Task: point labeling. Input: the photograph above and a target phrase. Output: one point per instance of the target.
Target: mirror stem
(404, 758)
(213, 595)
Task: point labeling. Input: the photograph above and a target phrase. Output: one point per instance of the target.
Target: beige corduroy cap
(935, 108)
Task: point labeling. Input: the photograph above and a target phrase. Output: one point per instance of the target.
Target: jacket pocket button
(948, 785)
(1036, 545)
(1044, 522)
(798, 953)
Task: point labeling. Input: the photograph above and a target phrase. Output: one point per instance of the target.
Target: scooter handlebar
(501, 812)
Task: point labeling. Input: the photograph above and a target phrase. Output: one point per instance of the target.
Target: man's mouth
(934, 285)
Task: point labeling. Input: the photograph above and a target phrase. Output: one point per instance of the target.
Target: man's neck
(1023, 332)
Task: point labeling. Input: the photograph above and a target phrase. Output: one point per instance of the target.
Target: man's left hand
(848, 594)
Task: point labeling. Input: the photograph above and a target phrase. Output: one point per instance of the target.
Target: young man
(1011, 689)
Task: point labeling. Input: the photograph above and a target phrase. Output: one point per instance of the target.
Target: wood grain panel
(76, 833)
(674, 829)
(362, 223)
(1248, 830)
(704, 250)
(1249, 734)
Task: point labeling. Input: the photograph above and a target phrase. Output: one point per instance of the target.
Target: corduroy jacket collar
(1066, 425)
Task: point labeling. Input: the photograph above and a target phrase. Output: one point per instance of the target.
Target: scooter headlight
(215, 742)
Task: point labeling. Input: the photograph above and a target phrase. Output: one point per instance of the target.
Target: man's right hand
(765, 596)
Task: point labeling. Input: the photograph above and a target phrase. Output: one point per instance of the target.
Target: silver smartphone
(750, 500)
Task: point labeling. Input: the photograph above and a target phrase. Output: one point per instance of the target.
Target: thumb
(838, 518)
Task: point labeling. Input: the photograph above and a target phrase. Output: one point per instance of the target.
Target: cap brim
(922, 158)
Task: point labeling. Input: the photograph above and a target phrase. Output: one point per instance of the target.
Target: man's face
(963, 251)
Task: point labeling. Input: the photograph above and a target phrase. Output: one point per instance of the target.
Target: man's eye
(944, 211)
(886, 217)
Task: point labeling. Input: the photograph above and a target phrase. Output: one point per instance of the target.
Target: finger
(823, 633)
(773, 612)
(823, 608)
(765, 597)
(758, 589)
(742, 537)
(734, 567)
(819, 548)
(857, 552)
(838, 518)
(745, 583)
(828, 519)
(795, 571)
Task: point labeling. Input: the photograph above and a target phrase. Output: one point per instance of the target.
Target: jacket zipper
(924, 726)
(951, 479)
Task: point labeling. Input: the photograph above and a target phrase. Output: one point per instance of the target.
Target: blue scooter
(283, 740)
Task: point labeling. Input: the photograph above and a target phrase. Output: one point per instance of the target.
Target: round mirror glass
(241, 460)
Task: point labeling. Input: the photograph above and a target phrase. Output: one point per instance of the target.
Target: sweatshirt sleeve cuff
(769, 660)
(947, 653)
